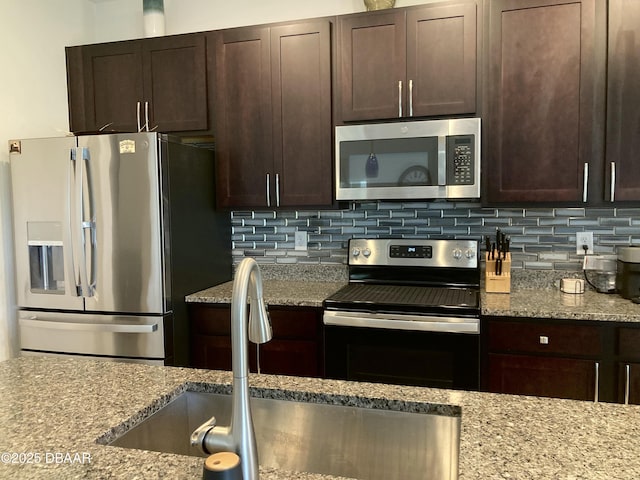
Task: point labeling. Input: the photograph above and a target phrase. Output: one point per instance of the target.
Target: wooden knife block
(498, 283)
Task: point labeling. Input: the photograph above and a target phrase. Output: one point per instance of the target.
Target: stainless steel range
(409, 315)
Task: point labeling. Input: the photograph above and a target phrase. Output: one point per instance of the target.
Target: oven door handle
(423, 323)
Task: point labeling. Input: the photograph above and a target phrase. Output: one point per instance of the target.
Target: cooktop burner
(405, 298)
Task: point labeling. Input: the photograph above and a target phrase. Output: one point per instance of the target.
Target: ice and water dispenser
(46, 257)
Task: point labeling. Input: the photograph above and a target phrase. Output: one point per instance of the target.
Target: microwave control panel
(460, 160)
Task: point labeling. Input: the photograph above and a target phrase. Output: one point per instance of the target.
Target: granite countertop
(286, 285)
(543, 303)
(275, 292)
(532, 299)
(62, 406)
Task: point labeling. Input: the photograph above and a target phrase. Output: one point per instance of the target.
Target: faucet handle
(199, 434)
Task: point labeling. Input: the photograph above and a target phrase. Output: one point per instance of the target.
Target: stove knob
(355, 252)
(470, 253)
(457, 254)
(366, 252)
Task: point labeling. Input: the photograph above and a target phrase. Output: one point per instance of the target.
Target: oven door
(442, 353)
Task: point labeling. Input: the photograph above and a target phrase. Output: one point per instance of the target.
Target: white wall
(122, 19)
(33, 92)
(33, 102)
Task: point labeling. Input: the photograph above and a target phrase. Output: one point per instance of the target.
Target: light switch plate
(301, 240)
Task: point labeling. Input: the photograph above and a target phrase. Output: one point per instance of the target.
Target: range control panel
(418, 252)
(410, 251)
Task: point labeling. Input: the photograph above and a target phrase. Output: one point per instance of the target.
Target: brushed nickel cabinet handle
(400, 98)
(277, 189)
(595, 396)
(627, 383)
(585, 184)
(268, 190)
(613, 182)
(411, 98)
(146, 116)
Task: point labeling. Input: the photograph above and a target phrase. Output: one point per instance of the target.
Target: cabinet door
(441, 60)
(629, 383)
(623, 113)
(543, 86)
(296, 347)
(75, 89)
(372, 65)
(210, 338)
(243, 118)
(175, 82)
(542, 376)
(113, 85)
(301, 103)
(628, 350)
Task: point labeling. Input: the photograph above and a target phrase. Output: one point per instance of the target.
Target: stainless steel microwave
(425, 159)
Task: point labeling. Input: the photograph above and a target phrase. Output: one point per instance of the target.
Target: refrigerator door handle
(88, 327)
(71, 256)
(80, 248)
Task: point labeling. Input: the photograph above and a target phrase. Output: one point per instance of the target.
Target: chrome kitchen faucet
(239, 436)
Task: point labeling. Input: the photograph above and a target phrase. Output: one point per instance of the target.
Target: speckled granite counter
(276, 292)
(537, 300)
(537, 295)
(57, 405)
(537, 303)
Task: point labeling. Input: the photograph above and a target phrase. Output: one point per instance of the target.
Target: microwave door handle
(442, 161)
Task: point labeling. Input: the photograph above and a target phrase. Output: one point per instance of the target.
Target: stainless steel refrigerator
(111, 232)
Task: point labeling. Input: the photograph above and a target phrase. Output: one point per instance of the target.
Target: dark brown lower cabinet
(628, 356)
(543, 376)
(295, 349)
(549, 358)
(629, 383)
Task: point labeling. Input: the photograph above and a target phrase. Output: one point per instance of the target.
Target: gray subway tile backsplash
(541, 238)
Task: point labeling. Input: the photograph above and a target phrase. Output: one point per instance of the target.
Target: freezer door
(87, 334)
(42, 176)
(123, 207)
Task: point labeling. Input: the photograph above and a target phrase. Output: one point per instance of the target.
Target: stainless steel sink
(362, 443)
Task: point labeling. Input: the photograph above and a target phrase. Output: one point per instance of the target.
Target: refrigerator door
(99, 335)
(42, 177)
(122, 224)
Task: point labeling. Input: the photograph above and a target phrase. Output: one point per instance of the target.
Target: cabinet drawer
(629, 343)
(300, 324)
(544, 338)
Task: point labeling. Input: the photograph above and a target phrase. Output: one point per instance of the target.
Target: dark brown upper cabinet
(544, 132)
(273, 115)
(159, 83)
(412, 62)
(622, 168)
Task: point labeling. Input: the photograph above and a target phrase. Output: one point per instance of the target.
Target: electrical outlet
(582, 239)
(300, 242)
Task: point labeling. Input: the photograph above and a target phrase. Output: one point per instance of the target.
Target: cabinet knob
(544, 340)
